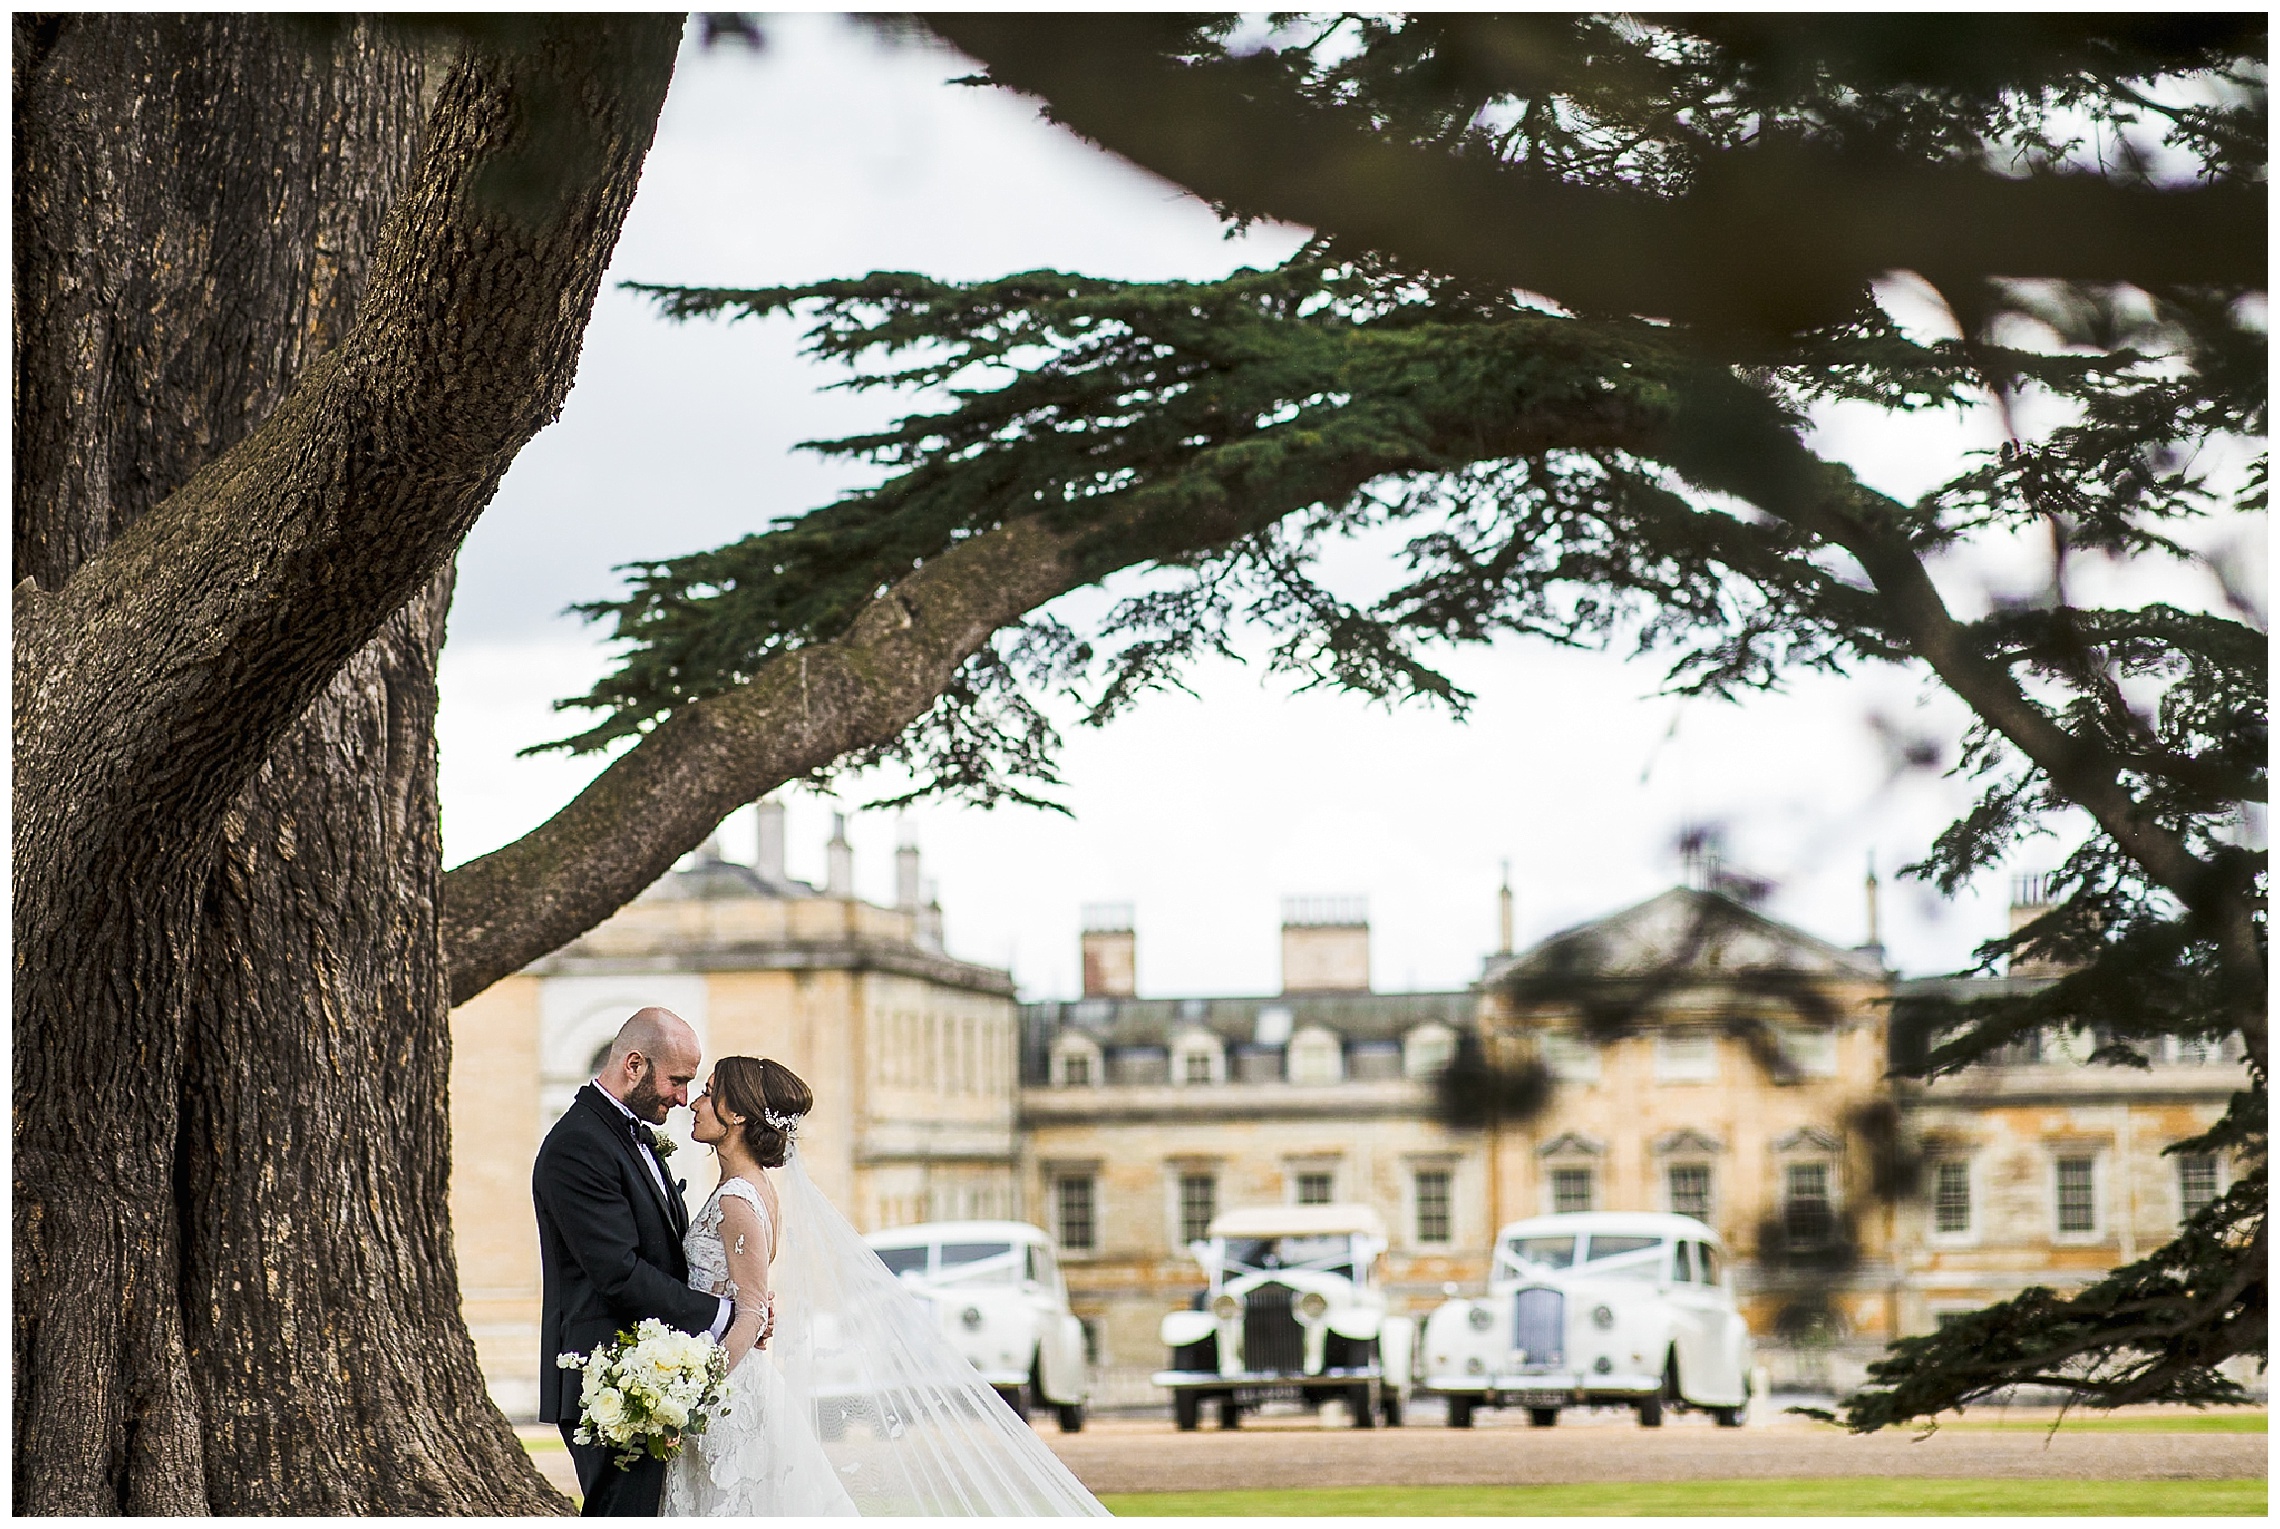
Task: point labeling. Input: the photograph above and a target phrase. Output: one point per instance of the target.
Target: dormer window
(1198, 1058)
(1316, 1058)
(1077, 1062)
(1426, 1050)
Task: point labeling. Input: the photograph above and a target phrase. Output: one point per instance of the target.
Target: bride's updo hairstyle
(755, 1088)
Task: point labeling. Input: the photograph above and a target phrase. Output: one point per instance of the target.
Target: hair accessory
(784, 1123)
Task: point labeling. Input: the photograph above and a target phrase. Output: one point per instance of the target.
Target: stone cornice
(857, 955)
(1979, 1087)
(1119, 1104)
(877, 1157)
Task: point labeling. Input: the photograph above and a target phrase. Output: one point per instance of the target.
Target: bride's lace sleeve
(745, 1237)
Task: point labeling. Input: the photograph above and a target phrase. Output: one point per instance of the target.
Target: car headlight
(1603, 1317)
(1473, 1366)
(971, 1317)
(1313, 1306)
(1479, 1319)
(1603, 1365)
(1226, 1306)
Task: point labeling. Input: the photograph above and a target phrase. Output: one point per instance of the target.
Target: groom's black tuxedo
(609, 1253)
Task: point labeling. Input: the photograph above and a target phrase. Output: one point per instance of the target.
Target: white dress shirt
(657, 1172)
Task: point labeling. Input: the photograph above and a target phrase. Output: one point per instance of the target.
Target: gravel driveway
(1146, 1455)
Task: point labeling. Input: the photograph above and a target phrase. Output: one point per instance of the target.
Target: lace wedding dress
(856, 1403)
(761, 1457)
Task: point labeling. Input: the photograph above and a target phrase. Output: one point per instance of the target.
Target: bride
(843, 1396)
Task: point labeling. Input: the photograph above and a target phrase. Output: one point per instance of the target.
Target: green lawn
(1851, 1496)
(2089, 1422)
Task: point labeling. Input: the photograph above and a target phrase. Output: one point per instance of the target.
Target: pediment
(1571, 1144)
(1808, 1139)
(1687, 1142)
(1689, 933)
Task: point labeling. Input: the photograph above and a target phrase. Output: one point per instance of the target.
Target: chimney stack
(1326, 945)
(768, 848)
(1109, 951)
(838, 860)
(1504, 910)
(2032, 896)
(908, 889)
(930, 918)
(1875, 938)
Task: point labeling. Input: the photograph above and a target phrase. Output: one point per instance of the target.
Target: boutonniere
(661, 1144)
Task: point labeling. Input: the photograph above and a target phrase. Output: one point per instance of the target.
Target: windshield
(903, 1260)
(1332, 1254)
(1625, 1257)
(1541, 1252)
(977, 1263)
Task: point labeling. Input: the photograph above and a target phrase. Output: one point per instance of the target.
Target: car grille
(1539, 1325)
(1272, 1340)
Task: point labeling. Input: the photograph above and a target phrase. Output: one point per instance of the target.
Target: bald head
(651, 1063)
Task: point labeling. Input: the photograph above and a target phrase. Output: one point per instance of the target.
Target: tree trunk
(319, 1289)
(234, 1281)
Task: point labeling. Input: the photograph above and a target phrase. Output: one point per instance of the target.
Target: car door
(1696, 1325)
(1060, 1340)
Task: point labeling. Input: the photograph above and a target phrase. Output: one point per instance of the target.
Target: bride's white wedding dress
(761, 1457)
(856, 1403)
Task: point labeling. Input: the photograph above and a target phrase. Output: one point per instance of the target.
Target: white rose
(605, 1408)
(672, 1414)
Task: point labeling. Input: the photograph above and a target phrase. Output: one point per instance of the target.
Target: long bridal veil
(909, 1426)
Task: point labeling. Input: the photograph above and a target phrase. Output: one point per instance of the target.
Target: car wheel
(1389, 1407)
(1726, 1417)
(1650, 1412)
(1671, 1389)
(1070, 1415)
(1187, 1411)
(1017, 1397)
(1230, 1413)
(1543, 1417)
(1460, 1411)
(1358, 1403)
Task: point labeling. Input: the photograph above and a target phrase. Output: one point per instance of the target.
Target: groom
(610, 1224)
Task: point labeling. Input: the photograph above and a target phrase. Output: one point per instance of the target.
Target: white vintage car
(997, 1293)
(1589, 1309)
(1291, 1308)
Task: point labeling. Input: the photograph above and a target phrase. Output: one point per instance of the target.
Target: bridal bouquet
(647, 1390)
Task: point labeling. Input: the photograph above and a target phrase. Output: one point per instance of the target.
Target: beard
(646, 1102)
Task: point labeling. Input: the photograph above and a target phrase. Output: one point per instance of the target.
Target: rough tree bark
(234, 1282)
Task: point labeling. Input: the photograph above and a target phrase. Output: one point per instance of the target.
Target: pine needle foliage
(1592, 465)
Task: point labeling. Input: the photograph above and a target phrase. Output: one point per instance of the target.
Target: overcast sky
(832, 154)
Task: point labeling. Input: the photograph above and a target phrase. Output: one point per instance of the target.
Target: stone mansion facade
(1686, 1054)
